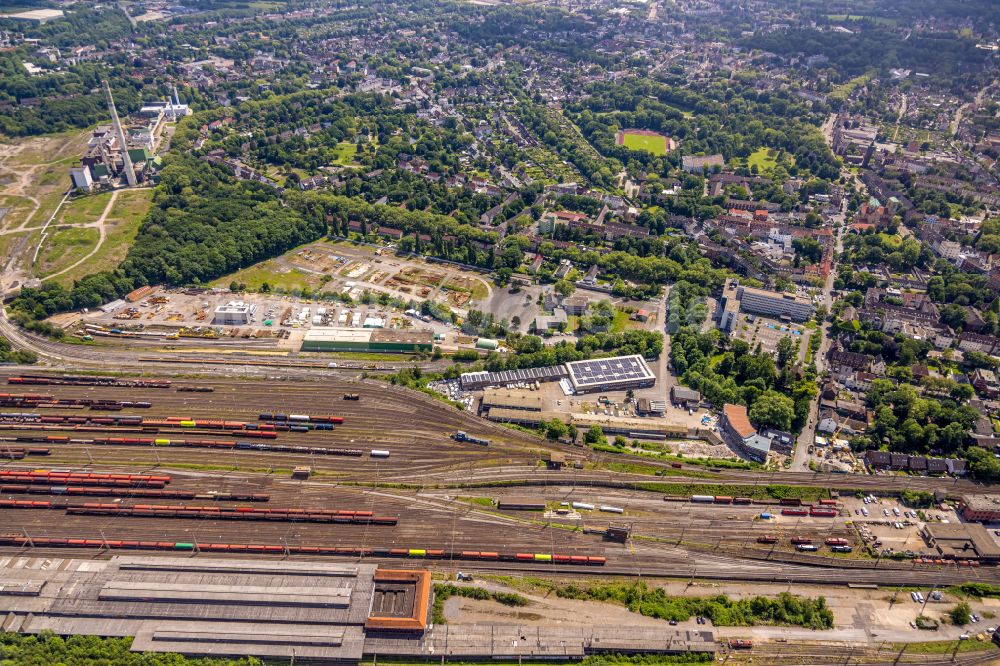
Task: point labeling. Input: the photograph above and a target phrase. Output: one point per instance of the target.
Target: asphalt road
(800, 457)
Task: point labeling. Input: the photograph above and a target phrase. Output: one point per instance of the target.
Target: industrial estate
(547, 332)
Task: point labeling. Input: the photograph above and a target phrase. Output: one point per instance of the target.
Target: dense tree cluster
(725, 370)
(730, 117)
(10, 355)
(943, 54)
(449, 239)
(204, 224)
(901, 254)
(530, 352)
(907, 421)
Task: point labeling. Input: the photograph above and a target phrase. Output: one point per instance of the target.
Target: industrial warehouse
(324, 612)
(367, 340)
(617, 373)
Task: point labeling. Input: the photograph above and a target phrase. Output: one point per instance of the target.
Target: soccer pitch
(651, 144)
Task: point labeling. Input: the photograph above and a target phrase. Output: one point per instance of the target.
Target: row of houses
(884, 460)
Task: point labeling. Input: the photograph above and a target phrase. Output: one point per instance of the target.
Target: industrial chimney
(129, 171)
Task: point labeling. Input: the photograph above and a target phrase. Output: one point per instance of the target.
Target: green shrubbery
(47, 648)
(786, 609)
(445, 591)
(10, 355)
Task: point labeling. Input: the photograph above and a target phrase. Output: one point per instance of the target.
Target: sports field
(648, 141)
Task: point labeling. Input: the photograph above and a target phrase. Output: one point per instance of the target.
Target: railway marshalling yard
(443, 496)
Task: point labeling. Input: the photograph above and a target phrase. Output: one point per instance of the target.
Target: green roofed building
(367, 340)
(139, 154)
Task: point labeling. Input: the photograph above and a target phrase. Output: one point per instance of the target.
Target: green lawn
(947, 647)
(651, 144)
(844, 90)
(270, 272)
(857, 17)
(17, 209)
(346, 152)
(7, 242)
(620, 321)
(763, 158)
(121, 228)
(470, 285)
(64, 247)
(83, 210)
(52, 147)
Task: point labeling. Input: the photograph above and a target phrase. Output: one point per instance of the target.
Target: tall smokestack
(129, 171)
(177, 100)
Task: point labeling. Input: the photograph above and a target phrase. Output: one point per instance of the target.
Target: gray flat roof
(207, 593)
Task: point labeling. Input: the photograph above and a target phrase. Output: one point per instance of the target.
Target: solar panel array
(609, 370)
(474, 380)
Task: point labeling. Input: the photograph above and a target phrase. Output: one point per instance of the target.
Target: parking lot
(755, 329)
(893, 528)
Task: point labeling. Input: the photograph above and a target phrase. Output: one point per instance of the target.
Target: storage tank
(487, 343)
(379, 453)
(612, 509)
(583, 505)
(703, 498)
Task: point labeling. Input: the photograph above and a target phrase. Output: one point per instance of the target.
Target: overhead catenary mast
(129, 171)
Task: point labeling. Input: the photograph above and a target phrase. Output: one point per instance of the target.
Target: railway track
(381, 412)
(819, 653)
(418, 484)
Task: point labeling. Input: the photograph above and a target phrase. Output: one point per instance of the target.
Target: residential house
(741, 435)
(985, 382)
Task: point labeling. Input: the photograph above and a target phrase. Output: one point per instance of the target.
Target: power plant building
(81, 178)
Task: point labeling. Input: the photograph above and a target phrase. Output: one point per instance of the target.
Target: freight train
(105, 491)
(82, 478)
(74, 380)
(261, 447)
(19, 452)
(300, 418)
(47, 401)
(225, 513)
(829, 504)
(20, 540)
(35, 421)
(341, 516)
